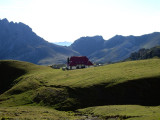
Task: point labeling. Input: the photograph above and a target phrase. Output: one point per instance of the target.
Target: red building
(76, 62)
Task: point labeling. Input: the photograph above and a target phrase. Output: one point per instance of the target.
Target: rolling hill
(19, 42)
(134, 83)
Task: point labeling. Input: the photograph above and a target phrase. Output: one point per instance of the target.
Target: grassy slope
(17, 102)
(69, 90)
(129, 112)
(34, 113)
(115, 73)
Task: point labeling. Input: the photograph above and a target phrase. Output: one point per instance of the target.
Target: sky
(68, 20)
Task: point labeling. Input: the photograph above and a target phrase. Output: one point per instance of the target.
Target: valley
(79, 60)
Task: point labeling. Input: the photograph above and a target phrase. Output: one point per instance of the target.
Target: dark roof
(76, 60)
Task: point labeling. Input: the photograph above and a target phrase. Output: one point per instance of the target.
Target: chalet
(77, 62)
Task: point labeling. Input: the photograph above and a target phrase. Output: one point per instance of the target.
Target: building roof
(78, 60)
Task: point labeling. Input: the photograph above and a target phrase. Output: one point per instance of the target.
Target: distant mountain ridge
(19, 42)
(115, 49)
(65, 43)
(88, 45)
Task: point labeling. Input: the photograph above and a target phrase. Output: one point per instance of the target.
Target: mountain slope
(88, 45)
(145, 53)
(115, 49)
(19, 42)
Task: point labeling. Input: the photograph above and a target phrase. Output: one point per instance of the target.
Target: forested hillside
(145, 53)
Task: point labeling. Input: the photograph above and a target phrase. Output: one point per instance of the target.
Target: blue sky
(67, 20)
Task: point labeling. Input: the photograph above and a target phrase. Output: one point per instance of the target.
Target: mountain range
(65, 43)
(115, 49)
(19, 42)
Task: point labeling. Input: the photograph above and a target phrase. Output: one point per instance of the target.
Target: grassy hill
(123, 112)
(121, 84)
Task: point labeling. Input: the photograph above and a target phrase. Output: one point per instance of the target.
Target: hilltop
(131, 83)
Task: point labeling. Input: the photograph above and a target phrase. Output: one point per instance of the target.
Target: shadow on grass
(7, 76)
(140, 92)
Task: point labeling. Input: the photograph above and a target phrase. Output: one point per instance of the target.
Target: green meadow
(125, 90)
(34, 113)
(121, 112)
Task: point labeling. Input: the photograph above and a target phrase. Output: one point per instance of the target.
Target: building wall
(80, 66)
(71, 67)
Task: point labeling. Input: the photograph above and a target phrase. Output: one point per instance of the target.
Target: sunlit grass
(114, 73)
(37, 76)
(130, 112)
(49, 83)
(34, 113)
